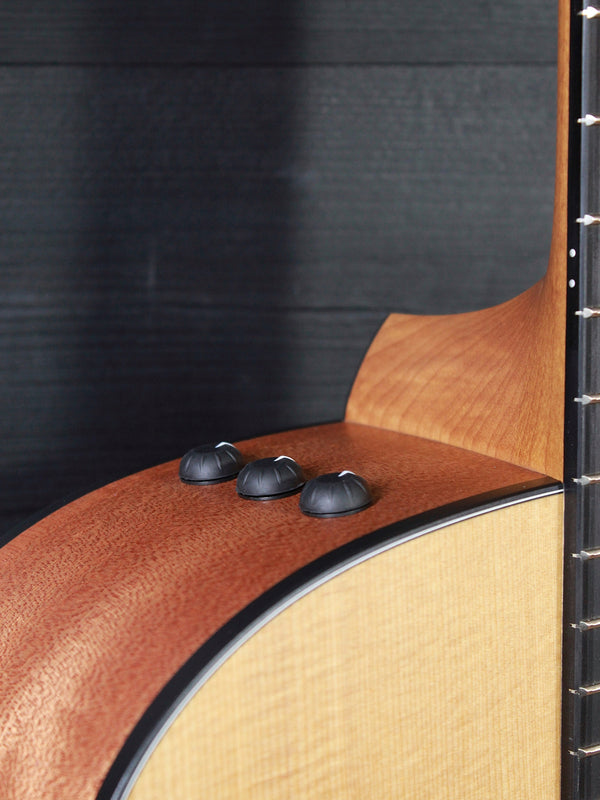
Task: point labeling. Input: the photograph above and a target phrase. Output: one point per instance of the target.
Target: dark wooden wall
(208, 208)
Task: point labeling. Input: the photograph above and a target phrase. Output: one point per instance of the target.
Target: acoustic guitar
(181, 639)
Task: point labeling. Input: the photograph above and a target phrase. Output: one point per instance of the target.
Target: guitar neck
(581, 643)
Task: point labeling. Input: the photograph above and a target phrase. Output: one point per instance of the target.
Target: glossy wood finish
(103, 601)
(492, 380)
(412, 674)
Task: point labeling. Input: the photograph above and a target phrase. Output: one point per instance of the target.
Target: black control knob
(270, 479)
(335, 495)
(211, 463)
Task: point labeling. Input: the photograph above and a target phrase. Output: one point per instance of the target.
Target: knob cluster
(333, 495)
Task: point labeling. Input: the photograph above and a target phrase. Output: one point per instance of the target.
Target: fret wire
(586, 691)
(589, 13)
(587, 312)
(588, 120)
(587, 399)
(587, 480)
(586, 752)
(589, 554)
(589, 219)
(588, 624)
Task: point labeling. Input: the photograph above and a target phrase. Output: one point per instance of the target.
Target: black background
(207, 209)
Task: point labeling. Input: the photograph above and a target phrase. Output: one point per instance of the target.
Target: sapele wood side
(492, 380)
(101, 602)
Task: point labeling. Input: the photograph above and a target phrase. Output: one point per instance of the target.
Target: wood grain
(410, 675)
(206, 253)
(314, 31)
(493, 380)
(193, 162)
(101, 602)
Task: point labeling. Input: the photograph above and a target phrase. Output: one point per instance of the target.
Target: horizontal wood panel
(304, 31)
(278, 187)
(242, 174)
(149, 214)
(96, 395)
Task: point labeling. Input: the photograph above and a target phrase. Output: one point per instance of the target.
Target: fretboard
(581, 652)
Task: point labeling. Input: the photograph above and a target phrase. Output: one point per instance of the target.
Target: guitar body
(387, 653)
(167, 640)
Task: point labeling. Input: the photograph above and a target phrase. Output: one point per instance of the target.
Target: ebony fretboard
(581, 655)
